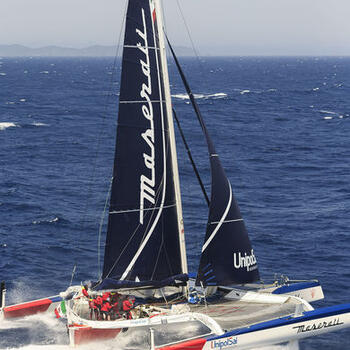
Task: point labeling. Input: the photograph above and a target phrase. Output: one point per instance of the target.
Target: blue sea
(280, 125)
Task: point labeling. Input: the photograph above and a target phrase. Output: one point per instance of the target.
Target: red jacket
(127, 305)
(106, 306)
(98, 301)
(105, 296)
(85, 293)
(92, 304)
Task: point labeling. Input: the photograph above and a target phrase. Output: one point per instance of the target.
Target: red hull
(196, 344)
(83, 335)
(26, 309)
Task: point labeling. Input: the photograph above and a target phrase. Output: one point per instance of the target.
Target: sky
(235, 27)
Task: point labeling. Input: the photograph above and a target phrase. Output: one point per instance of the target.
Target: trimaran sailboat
(145, 255)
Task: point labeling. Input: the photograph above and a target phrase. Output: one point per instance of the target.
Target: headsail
(143, 228)
(227, 255)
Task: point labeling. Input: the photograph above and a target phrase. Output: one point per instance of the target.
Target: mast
(163, 59)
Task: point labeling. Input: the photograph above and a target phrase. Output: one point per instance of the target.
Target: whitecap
(39, 124)
(328, 117)
(181, 96)
(23, 100)
(328, 112)
(201, 96)
(38, 222)
(242, 92)
(217, 95)
(5, 125)
(44, 72)
(3, 74)
(316, 89)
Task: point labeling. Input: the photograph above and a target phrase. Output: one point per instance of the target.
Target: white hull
(282, 333)
(258, 319)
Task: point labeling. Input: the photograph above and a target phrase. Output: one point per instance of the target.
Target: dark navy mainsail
(142, 241)
(227, 255)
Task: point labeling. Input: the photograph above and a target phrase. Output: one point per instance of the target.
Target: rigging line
(100, 229)
(83, 222)
(191, 159)
(188, 32)
(211, 147)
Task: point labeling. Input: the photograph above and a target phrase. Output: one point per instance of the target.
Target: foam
(50, 221)
(201, 96)
(328, 112)
(6, 125)
(39, 124)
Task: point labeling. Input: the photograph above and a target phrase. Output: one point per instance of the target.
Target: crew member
(127, 306)
(98, 303)
(93, 309)
(84, 290)
(105, 310)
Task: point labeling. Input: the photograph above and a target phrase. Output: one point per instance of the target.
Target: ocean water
(280, 125)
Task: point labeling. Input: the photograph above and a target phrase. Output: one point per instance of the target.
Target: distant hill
(55, 51)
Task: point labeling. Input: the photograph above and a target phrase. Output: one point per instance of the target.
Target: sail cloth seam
(205, 245)
(149, 234)
(136, 210)
(140, 46)
(225, 221)
(151, 101)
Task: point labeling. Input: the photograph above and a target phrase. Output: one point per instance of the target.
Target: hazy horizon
(226, 27)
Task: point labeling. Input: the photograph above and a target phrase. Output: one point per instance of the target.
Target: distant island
(57, 51)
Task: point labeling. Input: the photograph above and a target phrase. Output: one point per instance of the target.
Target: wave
(6, 125)
(328, 112)
(201, 96)
(248, 91)
(2, 73)
(39, 124)
(328, 115)
(47, 221)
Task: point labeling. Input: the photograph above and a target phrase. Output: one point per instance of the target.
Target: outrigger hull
(31, 307)
(311, 323)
